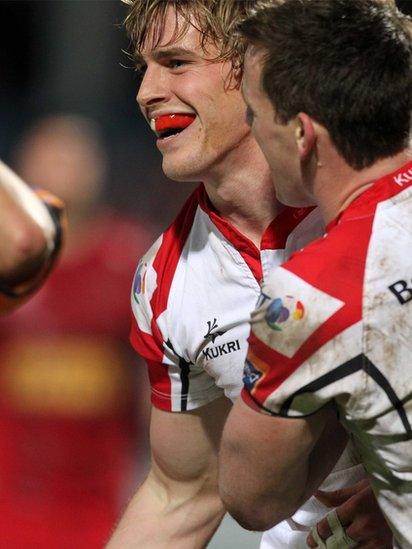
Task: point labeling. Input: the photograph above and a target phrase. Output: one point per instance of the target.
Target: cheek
(227, 106)
(188, 90)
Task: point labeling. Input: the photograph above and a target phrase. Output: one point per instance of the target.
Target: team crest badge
(280, 311)
(139, 282)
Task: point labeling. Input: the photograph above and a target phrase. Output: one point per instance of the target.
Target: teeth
(153, 124)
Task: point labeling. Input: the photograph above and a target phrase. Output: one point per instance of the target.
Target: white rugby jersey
(192, 296)
(335, 324)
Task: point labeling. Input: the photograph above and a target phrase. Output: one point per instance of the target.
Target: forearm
(286, 461)
(23, 246)
(160, 516)
(26, 229)
(13, 188)
(178, 505)
(259, 501)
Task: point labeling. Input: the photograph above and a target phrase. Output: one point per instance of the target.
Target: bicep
(184, 445)
(178, 505)
(270, 465)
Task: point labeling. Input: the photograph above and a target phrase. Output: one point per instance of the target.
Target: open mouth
(171, 124)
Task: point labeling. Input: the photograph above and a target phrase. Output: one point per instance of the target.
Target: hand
(359, 514)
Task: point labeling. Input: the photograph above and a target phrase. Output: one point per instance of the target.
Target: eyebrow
(161, 54)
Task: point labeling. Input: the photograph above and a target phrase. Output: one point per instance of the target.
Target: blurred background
(68, 56)
(73, 399)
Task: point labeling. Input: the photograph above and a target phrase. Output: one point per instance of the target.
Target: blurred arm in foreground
(30, 238)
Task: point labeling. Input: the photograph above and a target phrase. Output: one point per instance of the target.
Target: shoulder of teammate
(307, 341)
(296, 338)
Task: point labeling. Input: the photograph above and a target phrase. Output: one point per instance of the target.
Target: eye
(249, 116)
(176, 63)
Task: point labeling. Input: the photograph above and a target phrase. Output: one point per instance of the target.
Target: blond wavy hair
(216, 20)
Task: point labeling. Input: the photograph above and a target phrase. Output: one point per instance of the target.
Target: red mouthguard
(170, 121)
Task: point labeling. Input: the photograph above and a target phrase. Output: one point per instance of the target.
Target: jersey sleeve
(144, 337)
(304, 347)
(12, 297)
(177, 384)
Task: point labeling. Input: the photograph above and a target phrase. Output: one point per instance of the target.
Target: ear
(306, 136)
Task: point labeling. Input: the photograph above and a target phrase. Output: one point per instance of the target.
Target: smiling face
(180, 78)
(277, 141)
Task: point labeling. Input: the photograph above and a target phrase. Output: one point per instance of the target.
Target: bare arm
(27, 233)
(270, 465)
(178, 505)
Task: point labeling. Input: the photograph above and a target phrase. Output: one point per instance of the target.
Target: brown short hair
(216, 20)
(346, 63)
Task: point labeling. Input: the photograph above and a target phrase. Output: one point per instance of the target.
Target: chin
(180, 171)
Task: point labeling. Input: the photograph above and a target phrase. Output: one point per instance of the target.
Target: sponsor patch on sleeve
(291, 311)
(143, 286)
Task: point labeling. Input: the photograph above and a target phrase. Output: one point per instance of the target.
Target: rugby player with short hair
(194, 290)
(30, 238)
(328, 85)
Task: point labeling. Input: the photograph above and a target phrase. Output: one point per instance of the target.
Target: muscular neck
(243, 193)
(336, 184)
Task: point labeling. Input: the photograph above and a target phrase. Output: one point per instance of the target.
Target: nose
(154, 87)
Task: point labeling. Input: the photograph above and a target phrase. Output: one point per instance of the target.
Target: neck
(243, 193)
(336, 188)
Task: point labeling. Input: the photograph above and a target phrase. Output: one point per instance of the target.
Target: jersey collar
(382, 189)
(274, 237)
